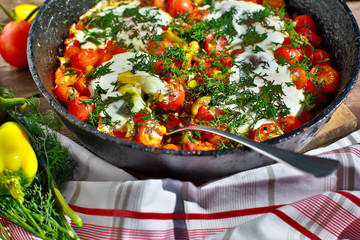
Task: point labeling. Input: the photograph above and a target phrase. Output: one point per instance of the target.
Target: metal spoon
(316, 166)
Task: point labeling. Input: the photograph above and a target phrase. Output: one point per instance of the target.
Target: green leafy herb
(38, 213)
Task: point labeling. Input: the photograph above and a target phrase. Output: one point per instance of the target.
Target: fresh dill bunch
(41, 212)
(43, 126)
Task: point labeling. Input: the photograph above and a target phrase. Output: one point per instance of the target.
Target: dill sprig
(40, 213)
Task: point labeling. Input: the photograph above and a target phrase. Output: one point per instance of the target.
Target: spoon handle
(316, 166)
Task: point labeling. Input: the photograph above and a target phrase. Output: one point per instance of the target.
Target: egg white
(134, 33)
(278, 74)
(120, 81)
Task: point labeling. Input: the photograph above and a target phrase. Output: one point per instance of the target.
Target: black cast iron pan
(336, 25)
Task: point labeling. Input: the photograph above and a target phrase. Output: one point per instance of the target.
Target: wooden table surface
(21, 81)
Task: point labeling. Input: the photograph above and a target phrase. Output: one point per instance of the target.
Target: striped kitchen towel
(272, 202)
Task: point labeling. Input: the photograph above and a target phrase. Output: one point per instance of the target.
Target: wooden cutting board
(342, 123)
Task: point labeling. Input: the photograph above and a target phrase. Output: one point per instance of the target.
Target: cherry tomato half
(204, 114)
(298, 76)
(151, 133)
(158, 47)
(141, 117)
(66, 94)
(326, 77)
(66, 76)
(265, 132)
(13, 42)
(174, 98)
(289, 123)
(82, 87)
(79, 109)
(199, 146)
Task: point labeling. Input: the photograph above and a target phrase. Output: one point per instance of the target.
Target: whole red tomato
(13, 42)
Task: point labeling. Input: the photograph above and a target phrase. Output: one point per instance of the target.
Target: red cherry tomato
(320, 56)
(213, 138)
(274, 3)
(150, 133)
(13, 41)
(310, 87)
(66, 94)
(114, 49)
(204, 114)
(265, 132)
(174, 98)
(86, 57)
(79, 109)
(326, 77)
(176, 7)
(314, 39)
(158, 3)
(227, 61)
(298, 76)
(140, 117)
(289, 54)
(305, 116)
(287, 41)
(82, 87)
(158, 47)
(104, 56)
(66, 76)
(255, 1)
(198, 15)
(289, 123)
(215, 44)
(72, 49)
(171, 121)
(305, 21)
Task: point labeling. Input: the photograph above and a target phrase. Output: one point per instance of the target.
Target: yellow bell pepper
(203, 101)
(18, 162)
(22, 11)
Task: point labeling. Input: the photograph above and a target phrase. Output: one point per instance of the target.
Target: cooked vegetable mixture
(139, 69)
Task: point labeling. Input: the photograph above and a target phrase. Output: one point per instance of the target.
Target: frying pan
(336, 25)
